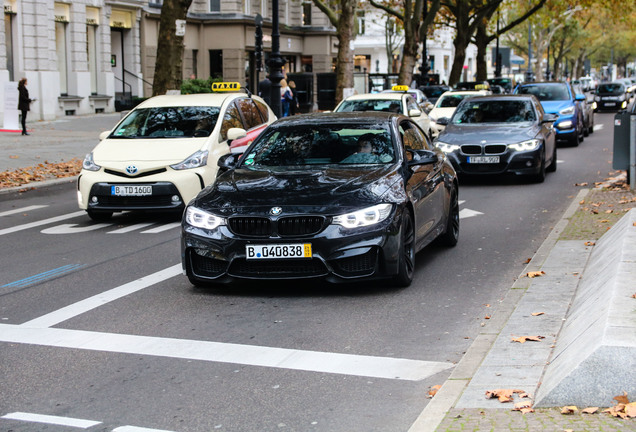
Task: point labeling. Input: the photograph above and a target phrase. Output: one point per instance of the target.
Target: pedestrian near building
(24, 103)
(293, 105)
(286, 97)
(264, 90)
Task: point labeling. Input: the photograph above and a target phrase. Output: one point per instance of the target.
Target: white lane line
(73, 228)
(41, 222)
(598, 127)
(249, 355)
(23, 209)
(83, 306)
(131, 228)
(162, 228)
(466, 213)
(56, 420)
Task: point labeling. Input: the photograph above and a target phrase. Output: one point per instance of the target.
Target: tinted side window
(263, 109)
(412, 136)
(411, 104)
(231, 119)
(251, 113)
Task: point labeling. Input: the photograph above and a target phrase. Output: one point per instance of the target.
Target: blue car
(559, 98)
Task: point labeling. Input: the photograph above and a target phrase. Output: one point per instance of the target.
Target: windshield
(303, 145)
(613, 88)
(546, 92)
(494, 111)
(390, 105)
(432, 92)
(452, 100)
(168, 122)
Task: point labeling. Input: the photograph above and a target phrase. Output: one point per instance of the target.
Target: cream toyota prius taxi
(165, 151)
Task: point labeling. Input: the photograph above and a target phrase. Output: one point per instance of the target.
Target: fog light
(175, 198)
(94, 200)
(528, 163)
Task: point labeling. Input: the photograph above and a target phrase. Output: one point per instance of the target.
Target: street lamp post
(529, 71)
(424, 68)
(497, 55)
(275, 63)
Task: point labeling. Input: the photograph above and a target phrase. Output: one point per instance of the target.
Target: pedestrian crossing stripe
(226, 86)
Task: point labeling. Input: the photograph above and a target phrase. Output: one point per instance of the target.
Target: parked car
(611, 96)
(445, 107)
(501, 134)
(559, 98)
(587, 106)
(398, 102)
(433, 92)
(419, 96)
(306, 201)
(507, 83)
(165, 151)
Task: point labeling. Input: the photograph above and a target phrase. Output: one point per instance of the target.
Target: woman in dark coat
(24, 103)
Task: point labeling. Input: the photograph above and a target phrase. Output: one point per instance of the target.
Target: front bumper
(169, 192)
(338, 255)
(510, 162)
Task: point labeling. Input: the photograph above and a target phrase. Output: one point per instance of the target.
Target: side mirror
(443, 121)
(104, 135)
(415, 113)
(422, 157)
(227, 162)
(579, 97)
(549, 118)
(235, 133)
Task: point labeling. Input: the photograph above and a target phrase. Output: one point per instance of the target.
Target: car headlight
(202, 219)
(446, 148)
(195, 160)
(89, 164)
(365, 217)
(565, 124)
(567, 111)
(525, 145)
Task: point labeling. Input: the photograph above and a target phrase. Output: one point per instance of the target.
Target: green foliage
(196, 85)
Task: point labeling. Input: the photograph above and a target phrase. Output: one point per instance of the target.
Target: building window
(195, 59)
(91, 54)
(216, 63)
(263, 8)
(306, 13)
(8, 39)
(246, 7)
(60, 49)
(361, 22)
(215, 5)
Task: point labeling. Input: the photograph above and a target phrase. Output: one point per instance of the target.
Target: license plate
(278, 251)
(483, 159)
(610, 103)
(131, 190)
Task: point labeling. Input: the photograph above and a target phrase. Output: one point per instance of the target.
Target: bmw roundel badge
(275, 211)
(131, 169)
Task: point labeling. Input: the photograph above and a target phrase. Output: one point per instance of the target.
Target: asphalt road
(98, 324)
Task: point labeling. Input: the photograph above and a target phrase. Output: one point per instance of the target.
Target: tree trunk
(481, 42)
(344, 66)
(460, 43)
(408, 59)
(169, 63)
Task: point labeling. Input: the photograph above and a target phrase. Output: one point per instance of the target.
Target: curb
(37, 185)
(450, 392)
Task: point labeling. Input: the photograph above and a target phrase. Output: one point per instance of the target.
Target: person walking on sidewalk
(24, 103)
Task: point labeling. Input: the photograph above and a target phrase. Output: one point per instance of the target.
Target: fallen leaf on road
(535, 274)
(569, 409)
(487, 317)
(581, 184)
(433, 390)
(537, 313)
(14, 157)
(528, 260)
(522, 339)
(590, 410)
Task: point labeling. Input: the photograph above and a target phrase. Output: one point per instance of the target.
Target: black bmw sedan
(501, 134)
(340, 197)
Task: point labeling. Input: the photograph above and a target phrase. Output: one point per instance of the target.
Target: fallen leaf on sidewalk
(634, 295)
(504, 395)
(630, 409)
(581, 184)
(535, 274)
(528, 260)
(604, 221)
(622, 398)
(589, 410)
(522, 339)
(524, 407)
(537, 313)
(571, 409)
(590, 243)
(433, 390)
(487, 317)
(14, 157)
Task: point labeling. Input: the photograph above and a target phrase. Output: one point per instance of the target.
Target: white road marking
(137, 429)
(73, 228)
(56, 420)
(21, 210)
(162, 228)
(598, 127)
(249, 355)
(41, 222)
(130, 228)
(466, 213)
(90, 303)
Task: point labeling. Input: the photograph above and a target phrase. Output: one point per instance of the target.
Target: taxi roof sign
(226, 86)
(400, 88)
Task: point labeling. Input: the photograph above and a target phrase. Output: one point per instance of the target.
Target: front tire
(406, 265)
(540, 176)
(553, 165)
(451, 236)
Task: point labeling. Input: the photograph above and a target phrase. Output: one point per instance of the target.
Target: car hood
(327, 191)
(553, 107)
(156, 150)
(438, 113)
(497, 133)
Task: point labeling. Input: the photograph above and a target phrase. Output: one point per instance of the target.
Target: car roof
(199, 99)
(356, 117)
(390, 95)
(465, 92)
(502, 97)
(543, 83)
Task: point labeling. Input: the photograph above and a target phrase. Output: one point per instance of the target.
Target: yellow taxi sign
(481, 87)
(400, 88)
(226, 86)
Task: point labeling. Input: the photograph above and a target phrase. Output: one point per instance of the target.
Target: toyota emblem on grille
(275, 211)
(131, 169)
